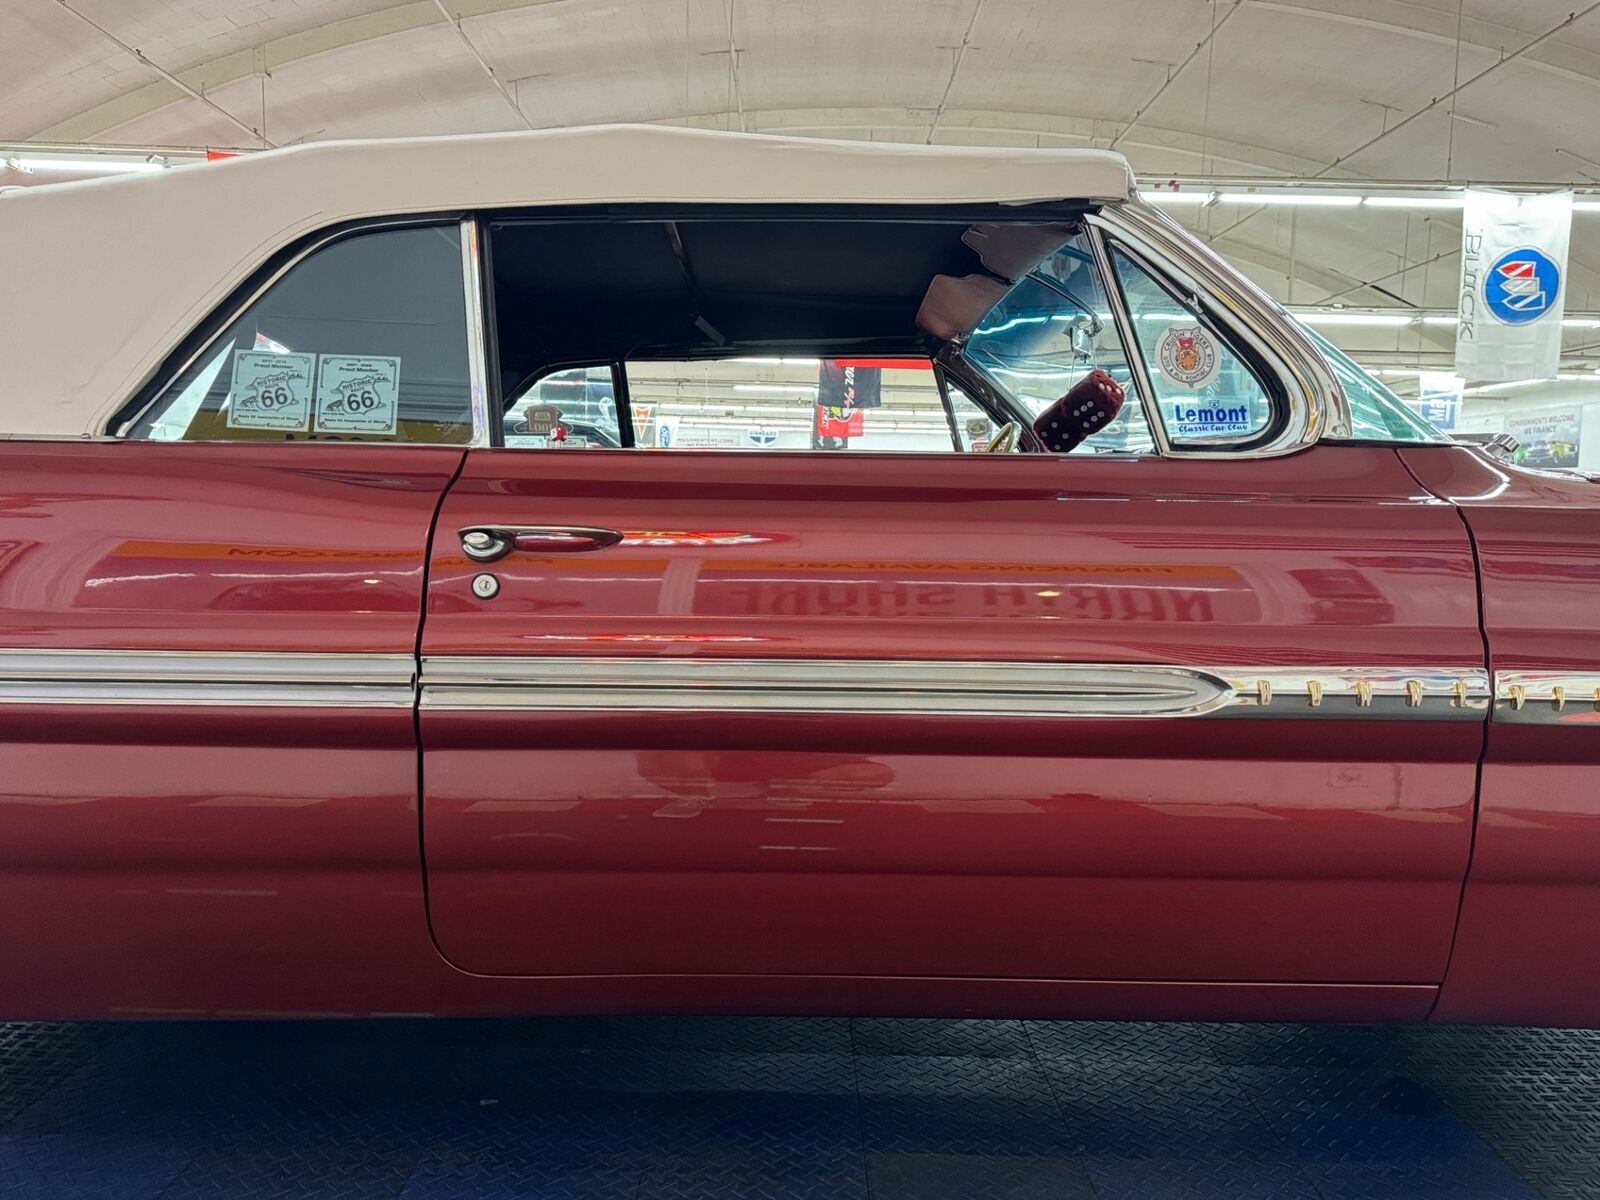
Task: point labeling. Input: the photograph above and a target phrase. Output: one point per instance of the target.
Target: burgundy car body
(682, 772)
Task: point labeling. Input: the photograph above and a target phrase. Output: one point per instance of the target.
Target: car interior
(589, 316)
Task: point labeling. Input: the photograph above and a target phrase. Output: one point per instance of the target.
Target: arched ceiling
(1462, 90)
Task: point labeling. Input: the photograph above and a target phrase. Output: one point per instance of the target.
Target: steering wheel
(1005, 442)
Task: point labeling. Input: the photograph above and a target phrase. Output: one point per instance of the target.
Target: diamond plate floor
(756, 1109)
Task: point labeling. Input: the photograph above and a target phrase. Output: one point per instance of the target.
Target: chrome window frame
(230, 310)
(1316, 405)
(1131, 348)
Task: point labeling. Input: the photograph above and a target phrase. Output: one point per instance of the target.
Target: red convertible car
(642, 569)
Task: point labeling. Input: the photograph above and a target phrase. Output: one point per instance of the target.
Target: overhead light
(1350, 318)
(1308, 199)
(773, 387)
(1466, 120)
(1177, 197)
(1586, 206)
(96, 164)
(1400, 318)
(1414, 201)
(1494, 387)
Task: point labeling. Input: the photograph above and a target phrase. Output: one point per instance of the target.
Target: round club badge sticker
(1188, 356)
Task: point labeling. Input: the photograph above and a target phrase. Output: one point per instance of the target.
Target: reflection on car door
(208, 761)
(961, 715)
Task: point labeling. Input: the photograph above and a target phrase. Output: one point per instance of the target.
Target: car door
(1097, 717)
(207, 659)
(915, 716)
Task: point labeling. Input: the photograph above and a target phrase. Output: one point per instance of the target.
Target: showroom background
(1346, 98)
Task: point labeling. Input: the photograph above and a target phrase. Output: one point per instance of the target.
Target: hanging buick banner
(1513, 274)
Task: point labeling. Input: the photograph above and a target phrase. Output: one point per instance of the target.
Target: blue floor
(757, 1109)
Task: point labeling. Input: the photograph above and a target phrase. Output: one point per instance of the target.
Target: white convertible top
(99, 280)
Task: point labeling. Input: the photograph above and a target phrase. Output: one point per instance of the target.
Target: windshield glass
(1376, 413)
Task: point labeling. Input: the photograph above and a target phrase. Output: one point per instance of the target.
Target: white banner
(1513, 277)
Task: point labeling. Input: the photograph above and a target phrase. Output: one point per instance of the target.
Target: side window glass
(567, 410)
(789, 404)
(1049, 331)
(1204, 391)
(974, 427)
(363, 340)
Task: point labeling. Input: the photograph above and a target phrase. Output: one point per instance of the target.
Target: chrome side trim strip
(1434, 695)
(818, 686)
(1546, 698)
(953, 688)
(1026, 689)
(183, 678)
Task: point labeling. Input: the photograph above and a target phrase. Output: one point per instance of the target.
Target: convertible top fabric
(102, 279)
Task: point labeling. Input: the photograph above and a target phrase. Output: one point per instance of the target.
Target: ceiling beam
(167, 77)
(505, 93)
(1439, 26)
(1172, 75)
(1537, 41)
(268, 55)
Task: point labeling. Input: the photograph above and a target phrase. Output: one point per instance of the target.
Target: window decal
(358, 394)
(1187, 356)
(271, 390)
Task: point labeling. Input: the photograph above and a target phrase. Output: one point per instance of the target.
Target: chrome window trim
(203, 678)
(1316, 402)
(477, 342)
(1111, 285)
(226, 314)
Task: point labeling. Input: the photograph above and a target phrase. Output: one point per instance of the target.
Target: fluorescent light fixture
(1414, 201)
(1494, 387)
(96, 164)
(1307, 199)
(1177, 197)
(1586, 206)
(1345, 318)
(774, 387)
(1566, 323)
(779, 362)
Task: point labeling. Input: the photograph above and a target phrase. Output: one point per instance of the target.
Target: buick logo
(1521, 286)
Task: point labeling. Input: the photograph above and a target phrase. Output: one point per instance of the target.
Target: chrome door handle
(485, 543)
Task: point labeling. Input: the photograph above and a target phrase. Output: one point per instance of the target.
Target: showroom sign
(1548, 437)
(1439, 398)
(1513, 271)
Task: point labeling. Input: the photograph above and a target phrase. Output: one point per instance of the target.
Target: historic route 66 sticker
(1188, 356)
(358, 394)
(270, 391)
